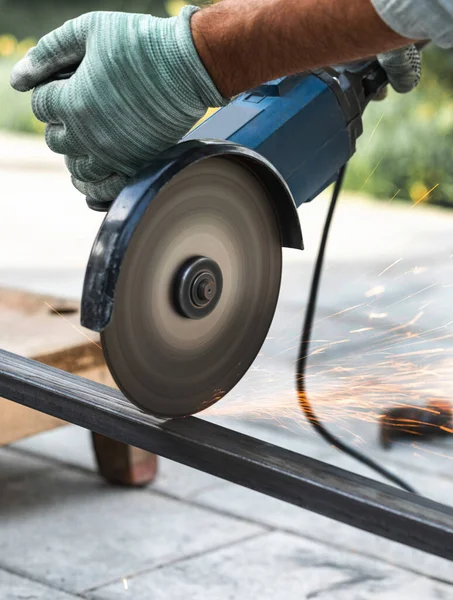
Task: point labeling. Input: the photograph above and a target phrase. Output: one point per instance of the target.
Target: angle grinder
(184, 275)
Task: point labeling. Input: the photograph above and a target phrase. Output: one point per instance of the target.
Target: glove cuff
(191, 64)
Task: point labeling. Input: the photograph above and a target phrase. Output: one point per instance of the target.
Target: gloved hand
(403, 68)
(139, 88)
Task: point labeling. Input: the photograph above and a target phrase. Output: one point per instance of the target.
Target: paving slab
(14, 587)
(15, 466)
(67, 529)
(70, 445)
(274, 566)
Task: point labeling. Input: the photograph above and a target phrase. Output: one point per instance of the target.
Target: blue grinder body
(306, 125)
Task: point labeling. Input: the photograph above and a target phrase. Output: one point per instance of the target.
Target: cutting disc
(197, 290)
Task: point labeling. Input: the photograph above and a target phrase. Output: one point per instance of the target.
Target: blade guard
(118, 227)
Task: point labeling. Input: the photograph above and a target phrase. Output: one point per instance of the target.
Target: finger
(87, 169)
(46, 102)
(60, 140)
(59, 49)
(103, 191)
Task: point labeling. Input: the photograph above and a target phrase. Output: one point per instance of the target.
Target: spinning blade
(197, 290)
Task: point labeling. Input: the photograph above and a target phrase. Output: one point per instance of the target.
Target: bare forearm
(243, 43)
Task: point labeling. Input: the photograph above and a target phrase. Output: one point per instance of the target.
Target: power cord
(301, 364)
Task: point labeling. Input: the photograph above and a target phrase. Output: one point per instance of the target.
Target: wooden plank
(17, 422)
(35, 325)
(47, 329)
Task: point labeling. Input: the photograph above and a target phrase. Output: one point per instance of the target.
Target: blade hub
(198, 287)
(203, 289)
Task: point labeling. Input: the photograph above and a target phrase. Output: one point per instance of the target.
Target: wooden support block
(48, 330)
(122, 464)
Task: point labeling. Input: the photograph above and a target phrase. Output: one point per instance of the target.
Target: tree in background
(406, 151)
(31, 18)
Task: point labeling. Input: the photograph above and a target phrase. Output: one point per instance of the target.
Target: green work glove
(403, 68)
(139, 88)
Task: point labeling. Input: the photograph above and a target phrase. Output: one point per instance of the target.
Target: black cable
(301, 364)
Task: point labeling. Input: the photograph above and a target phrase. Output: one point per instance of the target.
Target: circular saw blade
(170, 365)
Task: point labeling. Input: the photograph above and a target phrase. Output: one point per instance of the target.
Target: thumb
(55, 51)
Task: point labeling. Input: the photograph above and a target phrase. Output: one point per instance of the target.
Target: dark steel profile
(341, 495)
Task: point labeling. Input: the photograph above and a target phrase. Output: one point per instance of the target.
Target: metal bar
(305, 482)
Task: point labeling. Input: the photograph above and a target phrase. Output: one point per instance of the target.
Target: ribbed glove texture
(139, 87)
(403, 68)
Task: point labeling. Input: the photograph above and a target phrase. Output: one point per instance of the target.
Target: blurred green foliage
(34, 18)
(407, 146)
(406, 150)
(15, 113)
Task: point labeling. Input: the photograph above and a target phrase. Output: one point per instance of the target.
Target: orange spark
(72, 325)
(425, 196)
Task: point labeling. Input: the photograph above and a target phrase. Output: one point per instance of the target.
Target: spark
(428, 287)
(394, 196)
(408, 324)
(324, 348)
(125, 583)
(378, 315)
(399, 367)
(375, 291)
(425, 196)
(390, 267)
(342, 312)
(374, 130)
(423, 352)
(415, 445)
(370, 175)
(426, 305)
(72, 325)
(413, 271)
